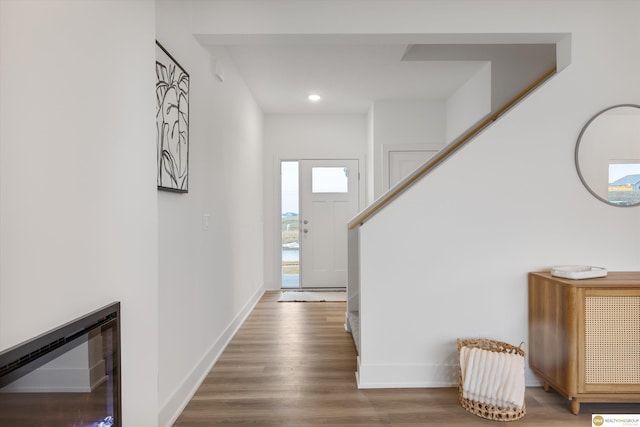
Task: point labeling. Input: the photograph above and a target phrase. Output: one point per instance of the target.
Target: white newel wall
(211, 274)
(508, 203)
(78, 203)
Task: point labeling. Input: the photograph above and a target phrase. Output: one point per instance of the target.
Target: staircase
(354, 294)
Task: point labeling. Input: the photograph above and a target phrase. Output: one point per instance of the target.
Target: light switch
(205, 221)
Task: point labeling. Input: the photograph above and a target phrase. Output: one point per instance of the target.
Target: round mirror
(608, 155)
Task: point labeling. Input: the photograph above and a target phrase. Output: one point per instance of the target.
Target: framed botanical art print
(172, 122)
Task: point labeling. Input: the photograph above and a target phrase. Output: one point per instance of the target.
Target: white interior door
(328, 200)
(399, 161)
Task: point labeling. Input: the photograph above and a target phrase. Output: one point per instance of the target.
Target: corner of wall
(563, 52)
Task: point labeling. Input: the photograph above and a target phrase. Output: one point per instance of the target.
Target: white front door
(328, 200)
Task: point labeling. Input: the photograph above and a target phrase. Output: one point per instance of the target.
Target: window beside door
(290, 225)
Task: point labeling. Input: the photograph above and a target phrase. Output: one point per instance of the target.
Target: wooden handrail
(442, 155)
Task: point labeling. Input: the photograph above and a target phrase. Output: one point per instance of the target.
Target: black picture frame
(172, 123)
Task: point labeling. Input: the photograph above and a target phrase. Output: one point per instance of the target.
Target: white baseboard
(171, 409)
(425, 375)
(406, 375)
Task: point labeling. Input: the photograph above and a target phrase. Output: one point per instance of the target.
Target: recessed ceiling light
(314, 97)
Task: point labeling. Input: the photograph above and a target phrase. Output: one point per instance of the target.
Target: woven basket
(486, 410)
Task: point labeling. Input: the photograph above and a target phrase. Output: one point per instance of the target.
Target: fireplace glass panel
(67, 377)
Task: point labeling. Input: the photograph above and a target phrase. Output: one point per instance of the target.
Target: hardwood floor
(292, 364)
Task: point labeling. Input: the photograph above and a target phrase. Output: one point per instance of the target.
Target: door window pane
(290, 225)
(329, 180)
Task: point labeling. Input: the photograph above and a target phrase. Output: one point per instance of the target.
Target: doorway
(318, 198)
(401, 160)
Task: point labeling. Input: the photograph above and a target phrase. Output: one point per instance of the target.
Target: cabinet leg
(575, 406)
(545, 386)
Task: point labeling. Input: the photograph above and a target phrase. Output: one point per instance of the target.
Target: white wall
(514, 66)
(293, 137)
(508, 203)
(211, 277)
(78, 221)
(469, 104)
(405, 122)
(370, 158)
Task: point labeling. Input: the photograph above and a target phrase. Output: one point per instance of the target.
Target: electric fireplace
(66, 377)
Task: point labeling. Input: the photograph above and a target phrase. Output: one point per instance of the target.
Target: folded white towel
(470, 376)
(493, 366)
(492, 377)
(513, 391)
(501, 378)
(482, 387)
(482, 378)
(516, 397)
(508, 381)
(464, 357)
(500, 392)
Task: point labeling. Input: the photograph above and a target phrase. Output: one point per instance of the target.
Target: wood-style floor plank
(292, 364)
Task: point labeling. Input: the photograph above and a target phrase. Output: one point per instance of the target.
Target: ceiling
(351, 72)
(349, 77)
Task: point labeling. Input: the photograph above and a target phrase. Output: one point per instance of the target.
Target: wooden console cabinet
(584, 336)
